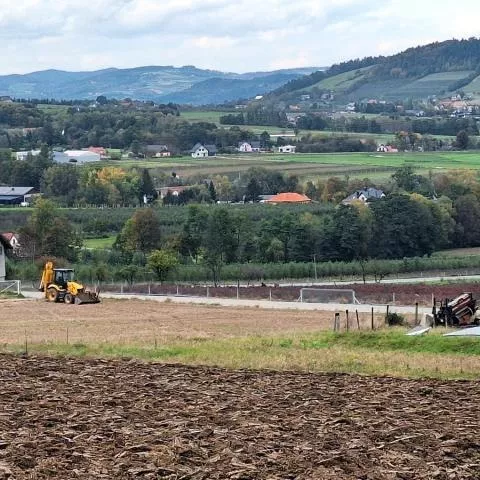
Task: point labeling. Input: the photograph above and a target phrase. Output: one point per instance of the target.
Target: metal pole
(315, 265)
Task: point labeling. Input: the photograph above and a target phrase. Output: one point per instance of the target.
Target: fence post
(208, 291)
(149, 288)
(358, 320)
(373, 321)
(336, 323)
(270, 294)
(386, 315)
(177, 291)
(393, 298)
(416, 313)
(348, 322)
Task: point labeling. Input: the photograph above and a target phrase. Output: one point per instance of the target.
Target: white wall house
(245, 147)
(287, 149)
(3, 246)
(199, 151)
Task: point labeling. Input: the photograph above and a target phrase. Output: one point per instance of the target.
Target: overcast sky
(228, 35)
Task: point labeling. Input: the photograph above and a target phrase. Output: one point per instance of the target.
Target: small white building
(24, 154)
(76, 156)
(249, 147)
(287, 149)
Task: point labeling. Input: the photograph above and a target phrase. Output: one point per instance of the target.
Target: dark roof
(255, 144)
(196, 147)
(211, 148)
(15, 191)
(157, 148)
(368, 193)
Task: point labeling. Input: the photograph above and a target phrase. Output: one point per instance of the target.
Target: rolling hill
(420, 72)
(158, 83)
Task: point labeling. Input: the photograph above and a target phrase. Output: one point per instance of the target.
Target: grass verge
(372, 353)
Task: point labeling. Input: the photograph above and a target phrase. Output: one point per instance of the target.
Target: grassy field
(376, 166)
(206, 116)
(106, 242)
(232, 337)
(458, 252)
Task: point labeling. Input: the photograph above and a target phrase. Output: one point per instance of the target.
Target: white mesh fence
(327, 295)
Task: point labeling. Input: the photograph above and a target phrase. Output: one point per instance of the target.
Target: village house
(175, 191)
(386, 149)
(249, 147)
(15, 195)
(287, 149)
(4, 246)
(76, 156)
(289, 197)
(98, 150)
(365, 195)
(201, 151)
(12, 239)
(157, 151)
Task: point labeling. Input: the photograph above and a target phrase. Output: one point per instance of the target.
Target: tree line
(404, 224)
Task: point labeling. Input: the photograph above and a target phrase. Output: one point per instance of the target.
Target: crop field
(137, 389)
(85, 418)
(232, 337)
(308, 165)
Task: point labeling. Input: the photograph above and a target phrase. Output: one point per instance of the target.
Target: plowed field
(93, 419)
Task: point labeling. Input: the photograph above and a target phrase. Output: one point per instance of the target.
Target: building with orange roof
(289, 197)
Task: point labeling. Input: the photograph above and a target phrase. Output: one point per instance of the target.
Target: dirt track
(65, 419)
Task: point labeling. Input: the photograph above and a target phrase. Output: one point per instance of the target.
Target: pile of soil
(94, 419)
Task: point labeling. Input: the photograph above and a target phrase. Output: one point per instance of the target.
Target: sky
(228, 35)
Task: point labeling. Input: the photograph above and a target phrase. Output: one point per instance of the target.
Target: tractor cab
(61, 276)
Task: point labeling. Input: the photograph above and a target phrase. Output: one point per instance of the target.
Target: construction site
(130, 389)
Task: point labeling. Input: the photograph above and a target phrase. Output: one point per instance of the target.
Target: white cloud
(238, 35)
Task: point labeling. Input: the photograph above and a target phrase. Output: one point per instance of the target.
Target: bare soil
(370, 293)
(98, 419)
(140, 322)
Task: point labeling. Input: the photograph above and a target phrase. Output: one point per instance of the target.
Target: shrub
(395, 320)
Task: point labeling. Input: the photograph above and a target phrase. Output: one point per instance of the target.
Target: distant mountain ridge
(157, 83)
(434, 69)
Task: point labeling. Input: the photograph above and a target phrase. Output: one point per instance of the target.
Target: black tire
(69, 298)
(52, 294)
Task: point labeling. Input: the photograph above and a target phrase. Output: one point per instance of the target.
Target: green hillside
(473, 86)
(434, 69)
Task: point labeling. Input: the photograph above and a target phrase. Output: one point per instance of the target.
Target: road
(265, 304)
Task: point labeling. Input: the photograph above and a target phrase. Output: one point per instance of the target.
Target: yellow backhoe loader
(58, 285)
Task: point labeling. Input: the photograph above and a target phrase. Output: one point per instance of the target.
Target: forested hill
(157, 83)
(417, 72)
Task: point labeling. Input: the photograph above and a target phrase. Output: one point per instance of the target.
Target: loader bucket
(86, 297)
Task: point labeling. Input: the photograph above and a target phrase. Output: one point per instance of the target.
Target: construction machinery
(462, 311)
(58, 285)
